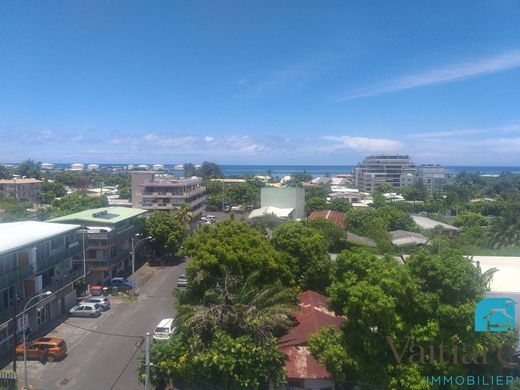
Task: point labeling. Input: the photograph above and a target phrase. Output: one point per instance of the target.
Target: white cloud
(365, 144)
(508, 128)
(446, 74)
(208, 139)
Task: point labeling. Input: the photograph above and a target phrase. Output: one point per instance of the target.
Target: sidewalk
(142, 275)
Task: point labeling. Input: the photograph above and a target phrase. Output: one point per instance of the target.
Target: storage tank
(143, 166)
(130, 167)
(47, 166)
(158, 167)
(77, 167)
(92, 167)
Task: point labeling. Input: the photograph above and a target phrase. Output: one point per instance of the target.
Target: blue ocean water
(314, 170)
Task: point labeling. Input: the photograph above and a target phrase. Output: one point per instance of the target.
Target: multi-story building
(35, 257)
(21, 189)
(109, 232)
(395, 170)
(435, 177)
(154, 191)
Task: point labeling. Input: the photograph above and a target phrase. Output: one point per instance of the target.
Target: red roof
(334, 216)
(313, 315)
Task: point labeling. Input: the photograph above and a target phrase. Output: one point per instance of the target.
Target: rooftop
(313, 315)
(16, 235)
(429, 224)
(277, 211)
(334, 216)
(106, 215)
(402, 237)
(20, 181)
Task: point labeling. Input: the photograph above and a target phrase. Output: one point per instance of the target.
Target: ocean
(315, 170)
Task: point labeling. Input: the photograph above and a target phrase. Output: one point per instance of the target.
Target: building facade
(395, 170)
(108, 233)
(154, 191)
(21, 189)
(35, 257)
(284, 198)
(435, 177)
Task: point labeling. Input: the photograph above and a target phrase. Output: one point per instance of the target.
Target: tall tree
(428, 300)
(29, 168)
(305, 250)
(166, 232)
(4, 172)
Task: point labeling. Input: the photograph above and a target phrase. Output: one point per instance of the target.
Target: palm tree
(184, 214)
(505, 229)
(240, 307)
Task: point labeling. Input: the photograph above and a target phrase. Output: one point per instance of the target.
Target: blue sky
(294, 82)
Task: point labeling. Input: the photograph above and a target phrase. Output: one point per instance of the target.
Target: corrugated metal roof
(313, 315)
(334, 216)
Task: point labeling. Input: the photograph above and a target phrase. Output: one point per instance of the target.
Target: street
(103, 352)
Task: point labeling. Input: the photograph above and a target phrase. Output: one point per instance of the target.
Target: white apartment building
(155, 191)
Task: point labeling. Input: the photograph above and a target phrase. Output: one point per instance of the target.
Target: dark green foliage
(340, 205)
(30, 169)
(167, 233)
(416, 191)
(305, 250)
(429, 297)
(233, 248)
(52, 190)
(314, 204)
(333, 234)
(5, 173)
(76, 202)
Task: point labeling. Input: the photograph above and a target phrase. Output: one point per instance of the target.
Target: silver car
(182, 281)
(103, 301)
(86, 310)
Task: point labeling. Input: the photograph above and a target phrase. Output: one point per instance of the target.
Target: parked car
(122, 284)
(43, 349)
(164, 329)
(86, 310)
(182, 281)
(103, 301)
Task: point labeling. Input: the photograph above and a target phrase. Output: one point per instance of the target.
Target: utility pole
(133, 256)
(15, 328)
(223, 192)
(147, 361)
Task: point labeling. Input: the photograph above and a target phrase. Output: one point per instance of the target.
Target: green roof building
(109, 232)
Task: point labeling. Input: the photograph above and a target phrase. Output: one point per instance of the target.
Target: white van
(164, 330)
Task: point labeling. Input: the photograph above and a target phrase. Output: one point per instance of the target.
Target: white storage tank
(158, 167)
(130, 167)
(92, 167)
(143, 166)
(77, 167)
(47, 166)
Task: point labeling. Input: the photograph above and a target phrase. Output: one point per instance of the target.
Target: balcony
(53, 259)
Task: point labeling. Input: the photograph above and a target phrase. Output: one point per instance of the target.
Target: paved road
(100, 361)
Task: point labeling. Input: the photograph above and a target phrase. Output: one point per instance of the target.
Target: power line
(106, 333)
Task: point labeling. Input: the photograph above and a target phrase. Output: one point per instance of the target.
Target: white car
(103, 301)
(164, 330)
(86, 310)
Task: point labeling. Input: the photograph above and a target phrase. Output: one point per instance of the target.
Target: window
(43, 314)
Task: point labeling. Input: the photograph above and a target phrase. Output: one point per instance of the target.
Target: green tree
(209, 170)
(29, 168)
(243, 194)
(301, 176)
(314, 204)
(305, 250)
(184, 214)
(334, 235)
(340, 205)
(76, 202)
(468, 219)
(505, 229)
(52, 190)
(4, 172)
(166, 232)
(233, 248)
(429, 299)
(395, 218)
(416, 191)
(266, 223)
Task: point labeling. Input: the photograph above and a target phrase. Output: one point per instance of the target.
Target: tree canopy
(167, 233)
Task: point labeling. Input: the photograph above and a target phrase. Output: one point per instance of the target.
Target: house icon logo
(495, 315)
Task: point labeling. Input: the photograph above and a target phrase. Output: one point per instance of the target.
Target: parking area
(103, 352)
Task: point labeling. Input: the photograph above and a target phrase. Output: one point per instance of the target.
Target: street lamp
(45, 294)
(84, 230)
(134, 247)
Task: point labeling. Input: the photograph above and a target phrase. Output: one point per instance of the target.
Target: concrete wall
(288, 197)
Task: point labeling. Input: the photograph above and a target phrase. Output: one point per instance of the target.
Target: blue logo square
(495, 315)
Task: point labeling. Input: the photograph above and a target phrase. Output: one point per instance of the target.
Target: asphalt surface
(103, 352)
